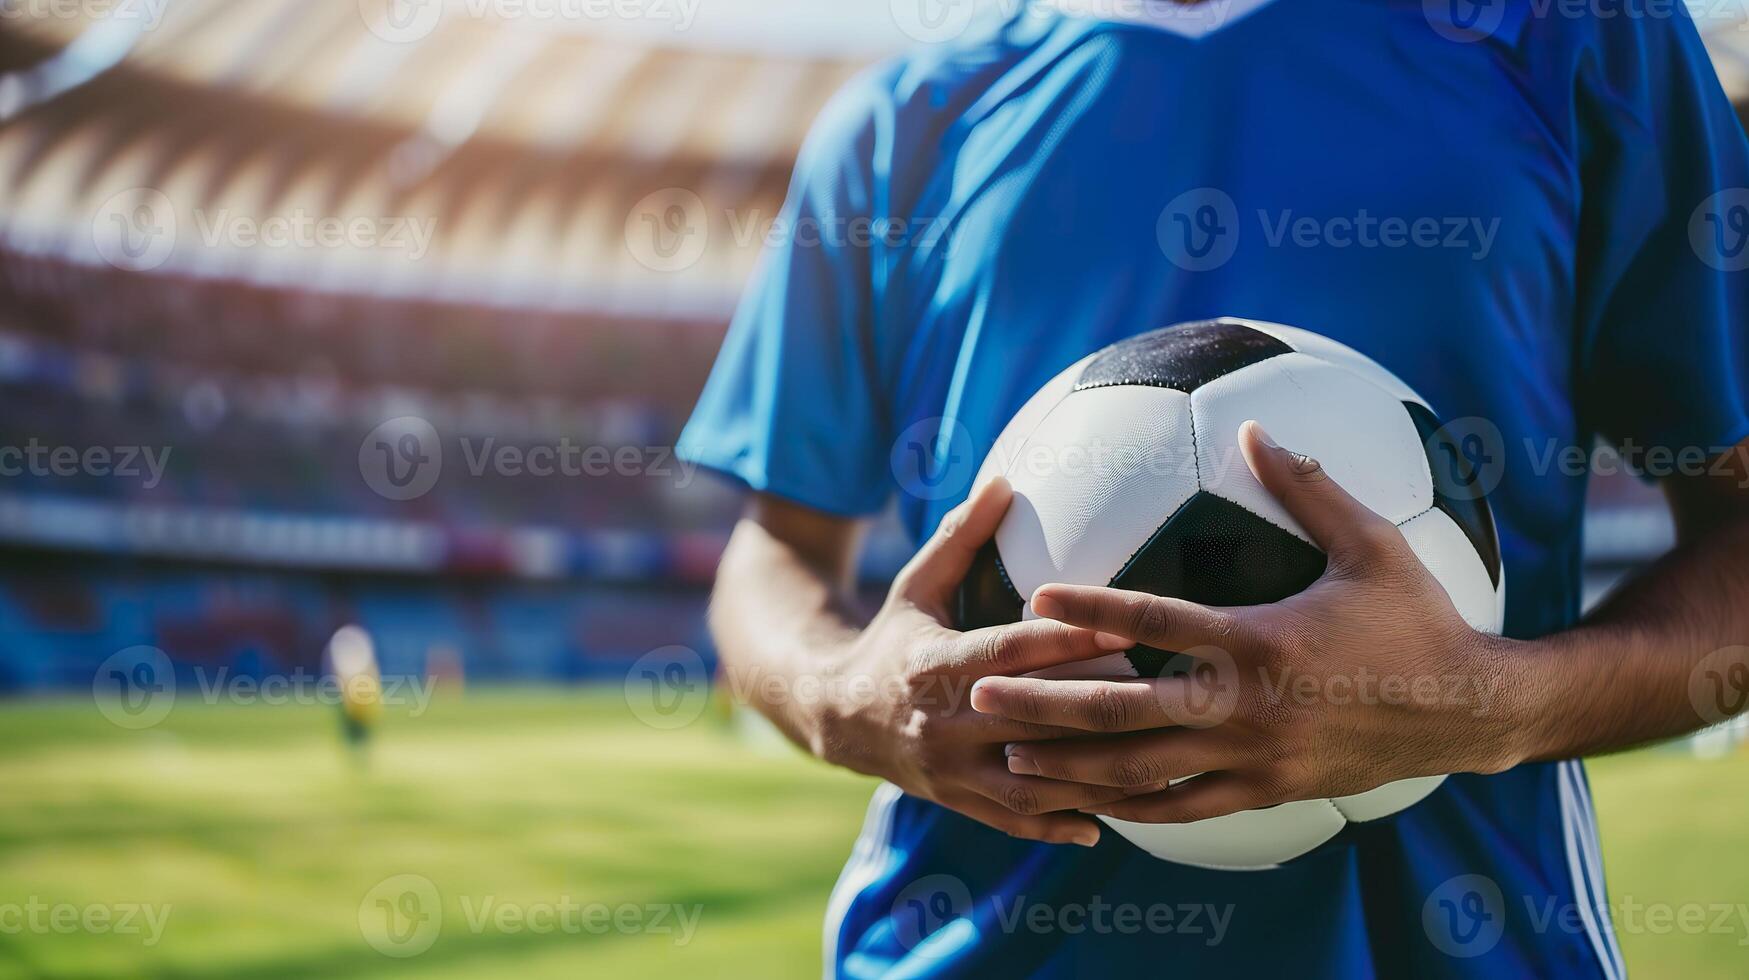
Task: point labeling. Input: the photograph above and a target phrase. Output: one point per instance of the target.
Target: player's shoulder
(1588, 64)
(918, 95)
(1621, 47)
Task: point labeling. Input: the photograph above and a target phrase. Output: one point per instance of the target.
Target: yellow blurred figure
(352, 657)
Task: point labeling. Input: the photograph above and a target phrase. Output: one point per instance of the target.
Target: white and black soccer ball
(1127, 472)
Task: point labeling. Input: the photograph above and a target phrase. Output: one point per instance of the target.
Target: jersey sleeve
(793, 405)
(1664, 233)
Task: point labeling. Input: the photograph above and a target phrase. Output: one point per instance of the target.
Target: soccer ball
(1127, 472)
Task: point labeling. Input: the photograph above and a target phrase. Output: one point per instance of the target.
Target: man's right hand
(916, 727)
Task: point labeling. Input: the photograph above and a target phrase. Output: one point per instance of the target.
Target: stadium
(388, 315)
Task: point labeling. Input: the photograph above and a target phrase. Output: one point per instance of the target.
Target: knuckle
(951, 524)
(1306, 468)
(1106, 709)
(1021, 798)
(1003, 647)
(1145, 617)
(1136, 770)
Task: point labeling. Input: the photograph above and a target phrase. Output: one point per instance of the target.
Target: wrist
(835, 718)
(1513, 710)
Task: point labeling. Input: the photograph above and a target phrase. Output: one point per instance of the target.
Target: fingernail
(1263, 435)
(981, 698)
(1046, 605)
(1086, 838)
(1019, 763)
(1112, 642)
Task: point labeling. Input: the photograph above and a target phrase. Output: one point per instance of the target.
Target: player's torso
(1123, 178)
(1327, 165)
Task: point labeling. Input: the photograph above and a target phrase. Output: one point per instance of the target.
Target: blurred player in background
(352, 658)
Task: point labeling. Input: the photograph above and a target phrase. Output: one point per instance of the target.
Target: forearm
(1629, 672)
(780, 619)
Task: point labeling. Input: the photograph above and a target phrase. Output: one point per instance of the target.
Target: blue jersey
(1536, 218)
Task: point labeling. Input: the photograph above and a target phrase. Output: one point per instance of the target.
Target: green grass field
(265, 843)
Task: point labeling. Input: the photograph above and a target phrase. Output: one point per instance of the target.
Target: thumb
(1341, 525)
(932, 575)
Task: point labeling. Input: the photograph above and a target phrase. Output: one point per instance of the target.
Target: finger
(1336, 521)
(1052, 828)
(979, 727)
(1020, 647)
(1158, 621)
(935, 572)
(1213, 794)
(1031, 796)
(1088, 705)
(1145, 762)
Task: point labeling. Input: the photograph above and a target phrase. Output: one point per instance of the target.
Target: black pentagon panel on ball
(1182, 357)
(1216, 552)
(1457, 486)
(986, 596)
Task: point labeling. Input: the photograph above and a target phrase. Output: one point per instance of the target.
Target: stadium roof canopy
(522, 146)
(495, 152)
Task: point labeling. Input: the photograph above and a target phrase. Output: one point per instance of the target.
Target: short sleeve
(1664, 254)
(793, 405)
